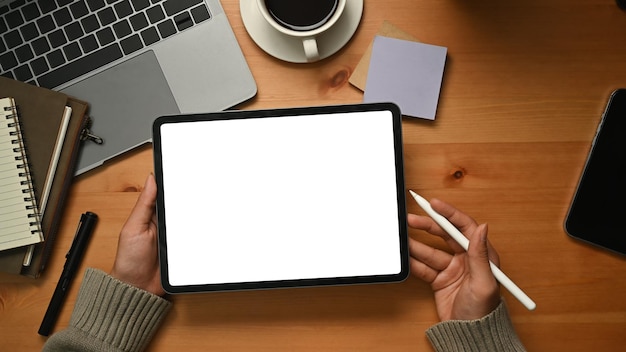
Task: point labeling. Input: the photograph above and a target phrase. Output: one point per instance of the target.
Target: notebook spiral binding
(20, 150)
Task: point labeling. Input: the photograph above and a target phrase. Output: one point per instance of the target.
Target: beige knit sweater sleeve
(110, 315)
(493, 332)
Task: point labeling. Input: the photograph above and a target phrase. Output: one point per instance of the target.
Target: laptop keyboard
(50, 42)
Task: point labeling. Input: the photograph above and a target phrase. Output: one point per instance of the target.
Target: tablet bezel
(271, 113)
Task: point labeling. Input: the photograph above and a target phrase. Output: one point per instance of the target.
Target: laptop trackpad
(124, 101)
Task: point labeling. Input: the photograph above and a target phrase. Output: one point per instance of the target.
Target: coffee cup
(303, 19)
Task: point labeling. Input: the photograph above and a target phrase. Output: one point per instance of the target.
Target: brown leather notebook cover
(41, 114)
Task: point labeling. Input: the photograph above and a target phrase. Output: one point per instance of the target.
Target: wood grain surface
(524, 87)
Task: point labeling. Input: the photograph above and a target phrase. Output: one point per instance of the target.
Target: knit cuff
(118, 314)
(494, 332)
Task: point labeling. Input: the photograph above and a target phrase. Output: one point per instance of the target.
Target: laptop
(132, 60)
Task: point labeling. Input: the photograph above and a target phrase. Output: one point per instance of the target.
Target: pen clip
(80, 225)
(84, 218)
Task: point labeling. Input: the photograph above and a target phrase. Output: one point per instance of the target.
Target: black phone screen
(598, 211)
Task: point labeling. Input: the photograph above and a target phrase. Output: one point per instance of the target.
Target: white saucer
(290, 49)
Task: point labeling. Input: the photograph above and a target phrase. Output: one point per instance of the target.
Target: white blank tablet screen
(280, 198)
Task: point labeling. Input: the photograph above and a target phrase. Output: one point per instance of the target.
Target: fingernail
(483, 232)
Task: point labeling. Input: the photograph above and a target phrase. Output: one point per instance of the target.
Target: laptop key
(89, 43)
(47, 6)
(155, 14)
(73, 31)
(81, 66)
(200, 14)
(72, 51)
(16, 4)
(150, 36)
(183, 21)
(24, 53)
(138, 22)
(62, 17)
(8, 74)
(90, 23)
(8, 61)
(13, 39)
(166, 28)
(46, 24)
(95, 5)
(122, 29)
(131, 44)
(40, 46)
(14, 19)
(105, 36)
(39, 66)
(107, 16)
(57, 38)
(140, 4)
(23, 73)
(123, 9)
(79, 9)
(30, 11)
(55, 58)
(29, 32)
(173, 7)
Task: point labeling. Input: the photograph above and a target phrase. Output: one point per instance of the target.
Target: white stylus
(464, 242)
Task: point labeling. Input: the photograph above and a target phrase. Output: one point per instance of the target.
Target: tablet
(597, 207)
(281, 198)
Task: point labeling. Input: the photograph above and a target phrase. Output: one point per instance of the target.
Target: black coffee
(301, 15)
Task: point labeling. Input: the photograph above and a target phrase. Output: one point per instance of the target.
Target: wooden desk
(525, 85)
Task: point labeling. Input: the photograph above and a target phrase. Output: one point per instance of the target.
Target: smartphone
(597, 214)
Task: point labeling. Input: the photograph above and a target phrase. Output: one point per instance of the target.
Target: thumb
(478, 254)
(484, 286)
(144, 208)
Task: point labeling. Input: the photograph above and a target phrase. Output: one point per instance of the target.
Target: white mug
(307, 33)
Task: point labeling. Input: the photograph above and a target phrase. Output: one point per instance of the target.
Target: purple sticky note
(406, 73)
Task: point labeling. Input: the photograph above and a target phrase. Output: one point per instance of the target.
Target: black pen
(74, 257)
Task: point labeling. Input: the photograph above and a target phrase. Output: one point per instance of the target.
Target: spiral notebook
(42, 115)
(19, 218)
